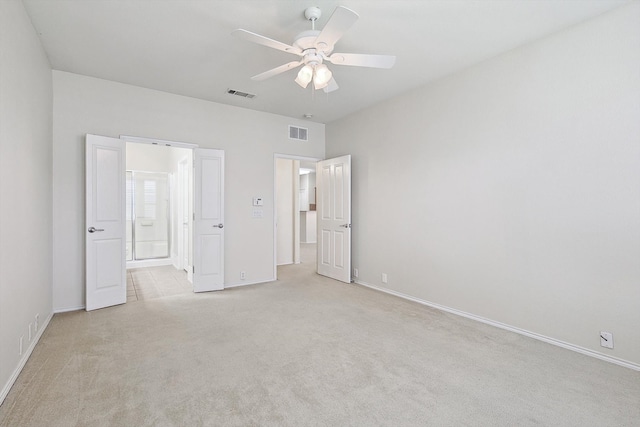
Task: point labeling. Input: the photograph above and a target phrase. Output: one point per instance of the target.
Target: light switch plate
(606, 339)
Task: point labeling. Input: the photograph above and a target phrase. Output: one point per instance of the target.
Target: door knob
(93, 229)
(219, 226)
(346, 225)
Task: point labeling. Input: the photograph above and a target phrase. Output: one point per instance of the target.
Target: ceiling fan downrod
(312, 14)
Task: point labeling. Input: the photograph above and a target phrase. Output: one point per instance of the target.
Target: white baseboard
(245, 283)
(23, 360)
(549, 340)
(68, 309)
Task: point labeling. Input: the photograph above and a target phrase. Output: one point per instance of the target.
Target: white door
(333, 198)
(208, 235)
(106, 283)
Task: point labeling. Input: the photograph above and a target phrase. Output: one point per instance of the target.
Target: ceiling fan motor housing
(312, 13)
(306, 42)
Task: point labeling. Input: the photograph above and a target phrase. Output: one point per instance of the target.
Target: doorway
(158, 204)
(294, 219)
(158, 194)
(105, 248)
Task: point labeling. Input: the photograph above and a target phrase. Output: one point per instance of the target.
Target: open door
(106, 283)
(333, 182)
(208, 228)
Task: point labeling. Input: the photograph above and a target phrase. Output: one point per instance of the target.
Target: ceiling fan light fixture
(322, 76)
(304, 76)
(316, 46)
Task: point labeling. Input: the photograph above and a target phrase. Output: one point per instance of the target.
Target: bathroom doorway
(158, 220)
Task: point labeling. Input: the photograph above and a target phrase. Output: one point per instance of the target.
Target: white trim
(294, 157)
(161, 142)
(548, 340)
(189, 271)
(244, 283)
(68, 309)
(23, 360)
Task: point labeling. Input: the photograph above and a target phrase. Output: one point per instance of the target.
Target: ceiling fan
(315, 47)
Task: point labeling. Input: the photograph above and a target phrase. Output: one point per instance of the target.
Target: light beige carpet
(306, 351)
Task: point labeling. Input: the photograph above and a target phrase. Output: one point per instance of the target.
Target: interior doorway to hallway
(295, 216)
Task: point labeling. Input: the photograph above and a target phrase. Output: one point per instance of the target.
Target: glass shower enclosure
(147, 204)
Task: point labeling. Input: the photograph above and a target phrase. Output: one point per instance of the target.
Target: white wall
(250, 140)
(25, 188)
(150, 158)
(511, 190)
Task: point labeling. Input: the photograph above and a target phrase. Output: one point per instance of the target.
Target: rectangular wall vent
(242, 94)
(301, 134)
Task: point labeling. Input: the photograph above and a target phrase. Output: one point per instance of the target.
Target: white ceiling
(185, 46)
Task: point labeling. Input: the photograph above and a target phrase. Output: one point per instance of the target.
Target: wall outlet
(21, 338)
(243, 275)
(355, 272)
(385, 279)
(37, 322)
(606, 339)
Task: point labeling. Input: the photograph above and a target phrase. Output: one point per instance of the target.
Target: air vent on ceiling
(242, 94)
(301, 134)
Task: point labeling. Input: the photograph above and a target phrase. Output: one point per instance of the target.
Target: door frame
(175, 144)
(192, 200)
(183, 205)
(277, 156)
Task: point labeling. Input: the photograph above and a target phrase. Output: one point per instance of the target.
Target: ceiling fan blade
(265, 41)
(340, 21)
(277, 70)
(362, 60)
(331, 86)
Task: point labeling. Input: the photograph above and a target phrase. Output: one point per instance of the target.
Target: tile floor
(154, 282)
